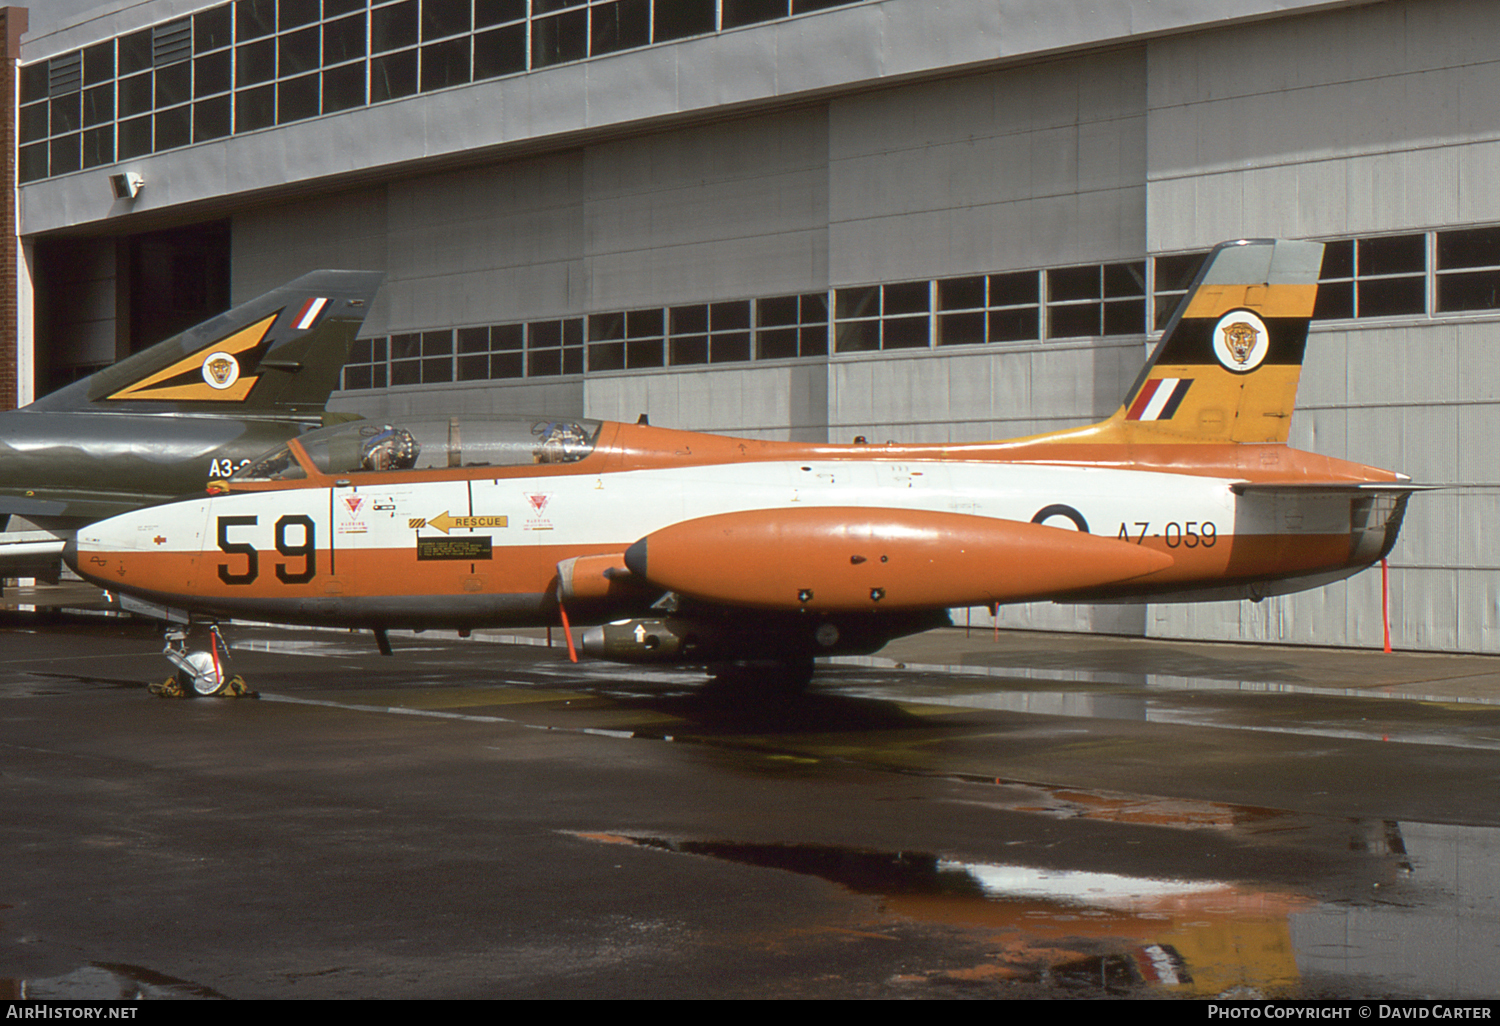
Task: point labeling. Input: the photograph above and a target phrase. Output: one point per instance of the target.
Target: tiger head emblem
(1239, 338)
(221, 369)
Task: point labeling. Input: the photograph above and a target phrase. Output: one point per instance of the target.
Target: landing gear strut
(200, 673)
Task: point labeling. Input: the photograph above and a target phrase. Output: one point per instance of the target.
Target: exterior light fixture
(126, 186)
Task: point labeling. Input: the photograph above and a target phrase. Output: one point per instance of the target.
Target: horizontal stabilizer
(1328, 488)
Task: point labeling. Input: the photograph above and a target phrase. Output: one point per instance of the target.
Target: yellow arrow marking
(443, 522)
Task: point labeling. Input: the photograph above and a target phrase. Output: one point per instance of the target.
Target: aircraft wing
(32, 553)
(72, 504)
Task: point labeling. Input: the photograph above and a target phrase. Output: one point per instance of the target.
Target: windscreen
(431, 444)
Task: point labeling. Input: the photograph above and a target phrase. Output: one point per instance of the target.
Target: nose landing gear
(201, 673)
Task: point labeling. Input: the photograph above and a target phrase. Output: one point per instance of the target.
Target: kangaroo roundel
(1241, 341)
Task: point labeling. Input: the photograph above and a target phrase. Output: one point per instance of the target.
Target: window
(506, 344)
(875, 317)
(174, 128)
(442, 18)
(445, 64)
(437, 357)
(392, 76)
(1392, 275)
(253, 108)
(627, 341)
(392, 28)
(422, 358)
(989, 308)
(1093, 301)
(975, 309)
(211, 118)
(619, 26)
(344, 40)
(1375, 277)
(99, 63)
(343, 88)
(267, 62)
(365, 367)
(297, 99)
(211, 74)
(406, 359)
(1468, 270)
(254, 18)
(554, 347)
(747, 12)
(1174, 276)
(683, 18)
(211, 29)
(791, 326)
(688, 326)
(558, 39)
(500, 52)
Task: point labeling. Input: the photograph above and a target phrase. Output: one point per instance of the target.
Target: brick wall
(12, 24)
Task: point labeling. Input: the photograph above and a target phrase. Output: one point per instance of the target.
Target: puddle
(1432, 930)
(105, 981)
(1183, 701)
(1094, 931)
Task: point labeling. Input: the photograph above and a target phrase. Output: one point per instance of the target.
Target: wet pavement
(1021, 815)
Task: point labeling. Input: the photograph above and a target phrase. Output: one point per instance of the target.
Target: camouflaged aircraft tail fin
(280, 354)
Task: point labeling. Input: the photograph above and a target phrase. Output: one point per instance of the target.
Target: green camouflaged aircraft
(162, 423)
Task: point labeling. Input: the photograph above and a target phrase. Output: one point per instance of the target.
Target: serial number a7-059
(1185, 534)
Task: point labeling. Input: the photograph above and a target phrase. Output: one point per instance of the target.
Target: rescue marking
(445, 523)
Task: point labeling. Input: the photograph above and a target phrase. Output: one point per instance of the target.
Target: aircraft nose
(70, 554)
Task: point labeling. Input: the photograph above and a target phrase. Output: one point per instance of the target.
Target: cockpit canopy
(366, 446)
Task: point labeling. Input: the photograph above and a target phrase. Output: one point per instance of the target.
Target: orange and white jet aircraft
(701, 549)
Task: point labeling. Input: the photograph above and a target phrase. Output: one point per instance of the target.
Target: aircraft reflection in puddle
(1073, 929)
(1426, 923)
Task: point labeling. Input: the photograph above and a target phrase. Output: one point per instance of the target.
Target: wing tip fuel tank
(839, 559)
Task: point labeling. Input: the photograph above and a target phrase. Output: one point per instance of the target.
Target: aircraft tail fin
(278, 354)
(1227, 367)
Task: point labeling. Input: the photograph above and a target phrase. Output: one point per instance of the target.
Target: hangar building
(810, 219)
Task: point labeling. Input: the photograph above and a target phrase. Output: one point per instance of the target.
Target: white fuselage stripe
(606, 511)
